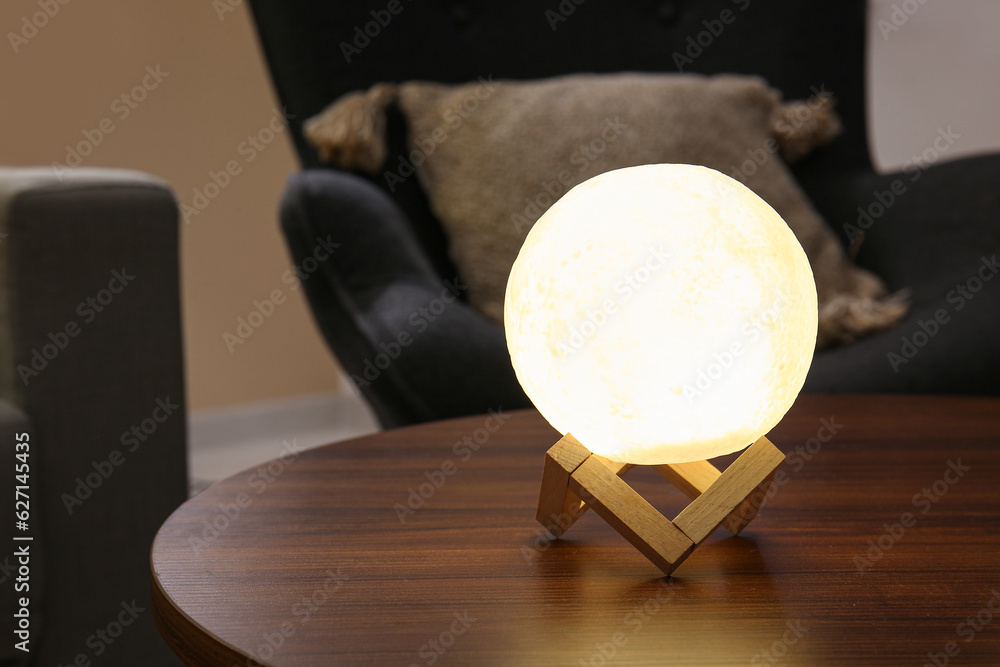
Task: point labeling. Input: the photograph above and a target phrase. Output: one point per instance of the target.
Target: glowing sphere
(661, 314)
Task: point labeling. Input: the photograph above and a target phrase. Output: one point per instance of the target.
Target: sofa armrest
(405, 336)
(90, 343)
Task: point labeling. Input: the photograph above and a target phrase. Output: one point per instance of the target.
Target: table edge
(187, 638)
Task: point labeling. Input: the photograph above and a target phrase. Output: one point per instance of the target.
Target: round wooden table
(419, 547)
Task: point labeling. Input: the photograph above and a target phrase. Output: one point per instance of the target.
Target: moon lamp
(660, 315)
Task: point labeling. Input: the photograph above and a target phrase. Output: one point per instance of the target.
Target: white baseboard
(225, 441)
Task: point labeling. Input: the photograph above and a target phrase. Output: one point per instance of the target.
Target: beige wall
(66, 79)
(933, 65)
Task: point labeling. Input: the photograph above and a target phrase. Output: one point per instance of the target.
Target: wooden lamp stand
(574, 478)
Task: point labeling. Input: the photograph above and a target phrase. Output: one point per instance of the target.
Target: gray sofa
(92, 371)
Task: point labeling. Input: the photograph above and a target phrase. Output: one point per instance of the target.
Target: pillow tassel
(350, 133)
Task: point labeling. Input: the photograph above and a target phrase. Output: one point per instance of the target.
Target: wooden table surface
(880, 546)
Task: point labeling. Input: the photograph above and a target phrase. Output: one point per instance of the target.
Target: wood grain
(693, 478)
(565, 457)
(574, 479)
(803, 579)
(558, 507)
(728, 493)
(745, 512)
(629, 514)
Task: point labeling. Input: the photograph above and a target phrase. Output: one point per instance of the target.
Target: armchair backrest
(318, 50)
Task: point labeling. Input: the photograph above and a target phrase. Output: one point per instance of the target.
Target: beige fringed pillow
(493, 156)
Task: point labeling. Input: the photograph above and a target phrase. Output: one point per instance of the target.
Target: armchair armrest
(90, 351)
(935, 232)
(403, 333)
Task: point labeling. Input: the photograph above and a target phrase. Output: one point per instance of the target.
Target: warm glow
(661, 314)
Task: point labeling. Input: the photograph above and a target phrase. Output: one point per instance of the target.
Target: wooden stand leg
(727, 493)
(741, 517)
(694, 479)
(558, 506)
(629, 513)
(574, 478)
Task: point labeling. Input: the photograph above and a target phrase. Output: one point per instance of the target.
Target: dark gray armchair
(393, 254)
(93, 374)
